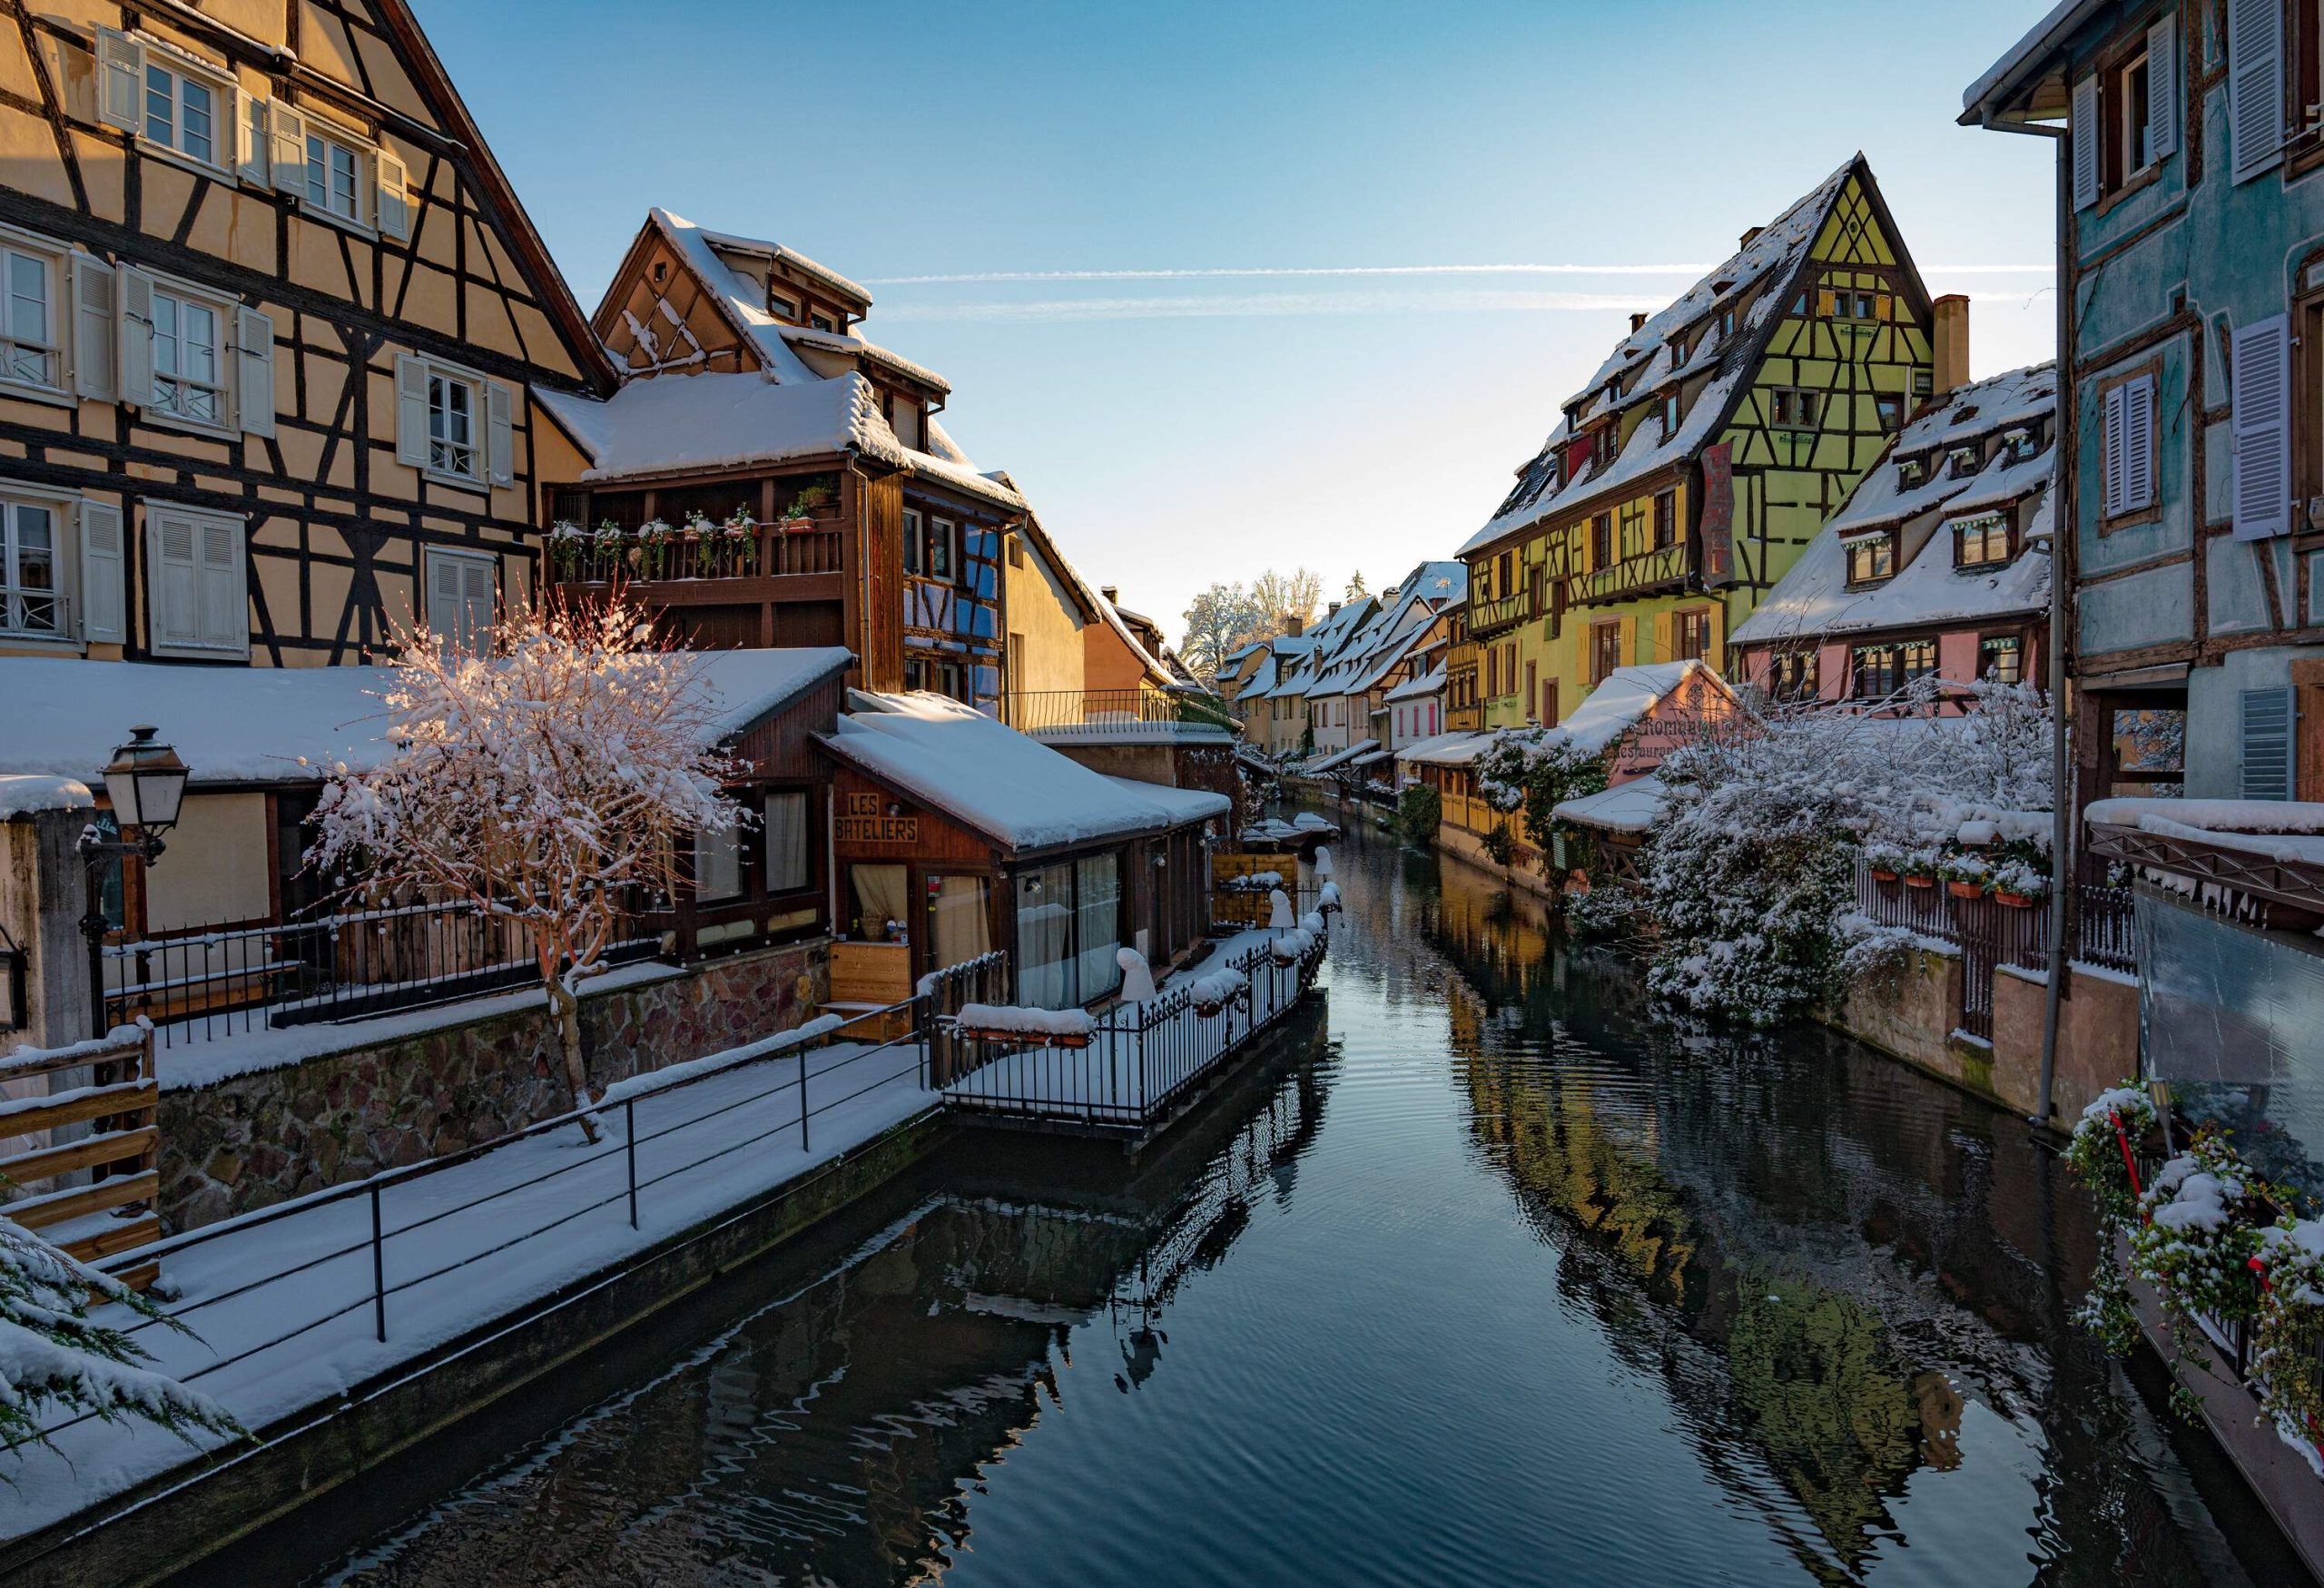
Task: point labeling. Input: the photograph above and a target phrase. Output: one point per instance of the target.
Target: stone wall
(256, 1139)
(1910, 1011)
(2098, 1037)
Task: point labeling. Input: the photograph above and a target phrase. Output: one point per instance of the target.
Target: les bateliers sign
(864, 818)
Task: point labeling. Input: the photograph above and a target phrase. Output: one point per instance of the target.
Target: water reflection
(1486, 1277)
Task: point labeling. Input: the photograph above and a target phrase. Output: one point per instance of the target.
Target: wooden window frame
(2008, 542)
(1888, 411)
(1683, 619)
(1605, 635)
(2152, 512)
(2116, 180)
(149, 530)
(1886, 540)
(1666, 518)
(226, 113)
(2307, 416)
(2012, 638)
(64, 559)
(221, 307)
(53, 258)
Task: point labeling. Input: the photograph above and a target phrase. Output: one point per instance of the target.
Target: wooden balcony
(772, 565)
(1664, 567)
(1490, 617)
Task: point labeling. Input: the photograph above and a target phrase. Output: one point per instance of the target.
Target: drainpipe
(2062, 521)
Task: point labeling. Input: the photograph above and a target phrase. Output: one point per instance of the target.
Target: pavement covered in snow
(283, 1300)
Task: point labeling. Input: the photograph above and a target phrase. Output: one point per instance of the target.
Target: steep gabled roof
(1773, 260)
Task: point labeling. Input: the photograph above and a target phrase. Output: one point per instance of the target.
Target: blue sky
(1173, 429)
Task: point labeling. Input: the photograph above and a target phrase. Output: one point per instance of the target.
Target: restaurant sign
(871, 818)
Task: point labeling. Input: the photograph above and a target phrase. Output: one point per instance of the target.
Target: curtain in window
(1045, 963)
(718, 864)
(787, 866)
(960, 931)
(879, 899)
(1097, 897)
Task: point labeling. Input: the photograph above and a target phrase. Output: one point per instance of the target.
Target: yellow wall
(216, 867)
(1046, 647)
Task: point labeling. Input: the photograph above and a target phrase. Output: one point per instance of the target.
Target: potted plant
(1884, 859)
(2019, 884)
(1919, 867)
(740, 534)
(1966, 875)
(608, 549)
(566, 546)
(653, 541)
(804, 503)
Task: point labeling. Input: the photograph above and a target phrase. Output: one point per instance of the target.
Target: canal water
(1482, 1275)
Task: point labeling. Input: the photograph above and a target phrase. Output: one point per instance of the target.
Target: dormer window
(1872, 560)
(1981, 542)
(1670, 414)
(1964, 461)
(2019, 445)
(1912, 473)
(823, 322)
(783, 307)
(1726, 322)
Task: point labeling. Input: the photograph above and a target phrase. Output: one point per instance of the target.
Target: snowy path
(284, 1309)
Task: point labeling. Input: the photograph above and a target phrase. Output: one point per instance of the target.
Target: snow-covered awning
(1342, 757)
(62, 717)
(2285, 830)
(1630, 807)
(1446, 749)
(1015, 789)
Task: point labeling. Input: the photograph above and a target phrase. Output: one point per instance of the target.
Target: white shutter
(2085, 133)
(2265, 773)
(176, 576)
(254, 372)
(94, 358)
(256, 141)
(101, 578)
(290, 141)
(443, 614)
(476, 604)
(120, 79)
(2138, 444)
(225, 591)
(2162, 88)
(2255, 84)
(135, 291)
(500, 434)
(2110, 453)
(411, 410)
(2261, 397)
(395, 199)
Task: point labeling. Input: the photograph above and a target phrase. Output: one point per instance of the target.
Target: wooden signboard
(864, 820)
(1240, 908)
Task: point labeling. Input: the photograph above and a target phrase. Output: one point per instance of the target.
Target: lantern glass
(147, 782)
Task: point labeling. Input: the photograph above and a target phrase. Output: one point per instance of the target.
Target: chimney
(1749, 238)
(1638, 321)
(1951, 342)
(1294, 625)
(1333, 610)
(1113, 592)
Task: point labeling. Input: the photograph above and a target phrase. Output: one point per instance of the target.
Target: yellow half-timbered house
(1703, 455)
(272, 316)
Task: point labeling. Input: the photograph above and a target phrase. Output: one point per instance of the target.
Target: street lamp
(146, 783)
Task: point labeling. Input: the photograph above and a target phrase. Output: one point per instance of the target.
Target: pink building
(1938, 564)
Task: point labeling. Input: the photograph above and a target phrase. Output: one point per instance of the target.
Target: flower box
(1879, 875)
(1919, 880)
(794, 526)
(2014, 901)
(1961, 890)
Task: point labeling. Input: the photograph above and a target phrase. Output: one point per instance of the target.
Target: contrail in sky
(1257, 305)
(1438, 269)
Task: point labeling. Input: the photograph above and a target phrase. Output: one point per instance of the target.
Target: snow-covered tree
(1222, 620)
(544, 785)
(54, 1355)
(1535, 770)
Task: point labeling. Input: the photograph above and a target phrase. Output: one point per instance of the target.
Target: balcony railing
(1486, 617)
(1665, 564)
(597, 557)
(1046, 713)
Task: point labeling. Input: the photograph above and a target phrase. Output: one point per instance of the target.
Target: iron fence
(359, 1227)
(209, 982)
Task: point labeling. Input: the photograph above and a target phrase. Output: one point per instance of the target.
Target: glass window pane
(956, 910)
(200, 105)
(1098, 924)
(718, 864)
(161, 106)
(1045, 965)
(787, 869)
(165, 335)
(317, 183)
(880, 902)
(200, 338)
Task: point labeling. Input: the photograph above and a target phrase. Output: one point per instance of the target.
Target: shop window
(2001, 659)
(787, 817)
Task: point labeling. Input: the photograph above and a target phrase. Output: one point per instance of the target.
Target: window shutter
(254, 372)
(290, 140)
(121, 78)
(2138, 444)
(2110, 453)
(411, 410)
(1665, 644)
(2163, 87)
(2260, 398)
(2085, 133)
(225, 592)
(1828, 303)
(2266, 770)
(1629, 641)
(94, 357)
(500, 434)
(176, 576)
(135, 290)
(256, 143)
(101, 565)
(2255, 84)
(395, 200)
(477, 605)
(443, 615)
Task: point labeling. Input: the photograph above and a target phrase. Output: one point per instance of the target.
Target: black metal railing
(202, 982)
(1138, 1061)
(1099, 711)
(367, 1242)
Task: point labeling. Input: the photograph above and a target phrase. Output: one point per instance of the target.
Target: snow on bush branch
(544, 784)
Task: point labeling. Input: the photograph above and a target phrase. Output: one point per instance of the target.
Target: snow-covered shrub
(1533, 771)
(1606, 909)
(52, 1355)
(1420, 811)
(1500, 845)
(540, 785)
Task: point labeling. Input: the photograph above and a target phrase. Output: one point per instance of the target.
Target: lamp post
(146, 784)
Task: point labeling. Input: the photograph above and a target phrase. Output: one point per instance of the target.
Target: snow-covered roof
(1184, 804)
(1626, 696)
(1420, 684)
(1627, 807)
(63, 717)
(1446, 749)
(2044, 37)
(1813, 598)
(1640, 364)
(1014, 789)
(28, 794)
(1341, 758)
(848, 342)
(680, 424)
(791, 257)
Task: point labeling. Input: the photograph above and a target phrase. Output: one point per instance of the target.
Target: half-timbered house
(1683, 481)
(766, 476)
(272, 313)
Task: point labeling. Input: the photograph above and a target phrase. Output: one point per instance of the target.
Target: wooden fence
(93, 1194)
